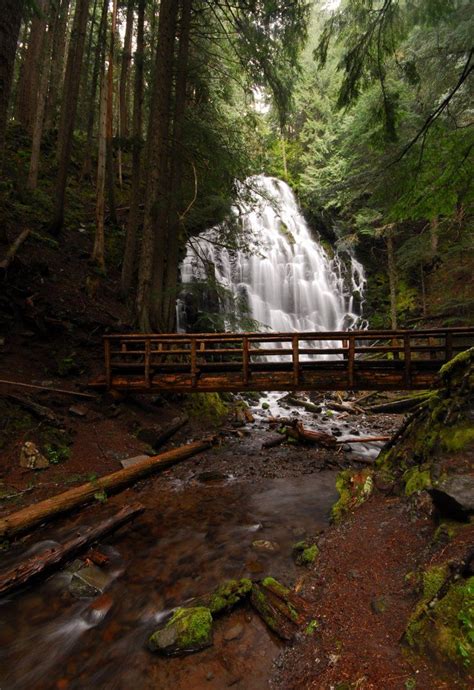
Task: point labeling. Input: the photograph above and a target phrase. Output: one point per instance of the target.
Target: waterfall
(285, 278)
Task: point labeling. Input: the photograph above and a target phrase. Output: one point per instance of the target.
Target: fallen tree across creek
(32, 515)
(40, 564)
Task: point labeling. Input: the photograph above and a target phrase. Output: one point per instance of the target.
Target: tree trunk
(167, 317)
(110, 116)
(98, 61)
(69, 108)
(30, 77)
(125, 69)
(32, 181)
(86, 77)
(133, 218)
(392, 279)
(9, 31)
(157, 164)
(57, 65)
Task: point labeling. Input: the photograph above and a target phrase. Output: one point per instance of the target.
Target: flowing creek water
(195, 534)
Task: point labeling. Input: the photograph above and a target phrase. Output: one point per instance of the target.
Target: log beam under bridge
(320, 361)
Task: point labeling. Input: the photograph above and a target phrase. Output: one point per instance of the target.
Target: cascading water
(287, 280)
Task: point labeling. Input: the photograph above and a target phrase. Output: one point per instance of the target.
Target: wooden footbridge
(342, 360)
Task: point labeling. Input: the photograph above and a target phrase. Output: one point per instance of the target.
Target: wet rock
(454, 498)
(188, 630)
(212, 476)
(136, 460)
(31, 457)
(234, 633)
(265, 545)
(78, 410)
(88, 582)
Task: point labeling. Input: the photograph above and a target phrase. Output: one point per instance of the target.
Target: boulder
(88, 582)
(454, 497)
(188, 630)
(31, 457)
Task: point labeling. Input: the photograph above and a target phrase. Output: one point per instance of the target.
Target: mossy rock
(354, 489)
(305, 553)
(228, 595)
(441, 432)
(447, 629)
(208, 406)
(188, 630)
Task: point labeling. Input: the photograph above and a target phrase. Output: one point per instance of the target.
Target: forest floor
(358, 588)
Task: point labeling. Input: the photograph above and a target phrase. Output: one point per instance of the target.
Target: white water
(287, 279)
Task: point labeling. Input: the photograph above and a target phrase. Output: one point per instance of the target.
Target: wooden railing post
(147, 363)
(245, 359)
(407, 356)
(193, 363)
(296, 360)
(350, 362)
(345, 345)
(108, 366)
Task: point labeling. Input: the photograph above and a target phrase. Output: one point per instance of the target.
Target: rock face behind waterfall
(284, 280)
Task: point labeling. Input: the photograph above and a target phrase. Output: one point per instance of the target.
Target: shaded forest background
(126, 127)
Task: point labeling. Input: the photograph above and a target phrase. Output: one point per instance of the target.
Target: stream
(198, 530)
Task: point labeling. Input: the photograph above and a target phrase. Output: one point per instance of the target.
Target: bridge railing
(149, 355)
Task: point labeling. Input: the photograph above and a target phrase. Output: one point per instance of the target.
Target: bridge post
(296, 360)
(245, 359)
(193, 363)
(147, 363)
(448, 346)
(350, 363)
(407, 357)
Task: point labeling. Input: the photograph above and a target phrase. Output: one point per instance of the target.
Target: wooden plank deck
(322, 361)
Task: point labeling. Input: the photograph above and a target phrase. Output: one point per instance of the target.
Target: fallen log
(311, 407)
(282, 610)
(13, 249)
(62, 391)
(32, 515)
(350, 408)
(42, 563)
(170, 431)
(39, 411)
(397, 406)
(321, 438)
(363, 439)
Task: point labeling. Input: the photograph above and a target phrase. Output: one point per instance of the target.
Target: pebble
(234, 633)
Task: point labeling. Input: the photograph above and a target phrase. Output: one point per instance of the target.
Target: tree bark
(125, 69)
(98, 252)
(44, 510)
(392, 279)
(11, 11)
(41, 564)
(30, 76)
(57, 65)
(69, 109)
(99, 57)
(133, 218)
(167, 317)
(32, 181)
(157, 164)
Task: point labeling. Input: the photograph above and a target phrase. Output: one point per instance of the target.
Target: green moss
(311, 627)
(207, 405)
(433, 579)
(457, 363)
(455, 439)
(444, 533)
(227, 595)
(305, 553)
(416, 479)
(354, 489)
(448, 630)
(271, 583)
(187, 630)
